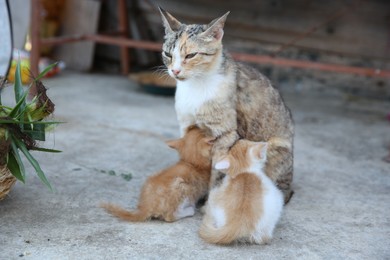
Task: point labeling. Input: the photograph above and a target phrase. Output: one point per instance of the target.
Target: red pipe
(261, 59)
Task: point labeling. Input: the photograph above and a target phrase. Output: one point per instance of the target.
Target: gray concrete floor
(340, 209)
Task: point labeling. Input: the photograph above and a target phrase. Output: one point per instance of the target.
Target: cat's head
(194, 147)
(191, 51)
(242, 157)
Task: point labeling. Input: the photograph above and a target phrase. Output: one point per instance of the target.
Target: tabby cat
(228, 99)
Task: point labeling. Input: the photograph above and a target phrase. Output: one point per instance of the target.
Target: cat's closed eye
(167, 54)
(191, 55)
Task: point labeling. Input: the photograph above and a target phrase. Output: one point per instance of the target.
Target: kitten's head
(243, 156)
(191, 51)
(194, 147)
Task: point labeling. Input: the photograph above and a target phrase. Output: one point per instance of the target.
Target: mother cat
(228, 99)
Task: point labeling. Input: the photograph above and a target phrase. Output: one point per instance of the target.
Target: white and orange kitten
(247, 205)
(172, 193)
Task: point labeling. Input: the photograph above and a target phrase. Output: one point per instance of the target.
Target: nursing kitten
(247, 205)
(173, 193)
(228, 99)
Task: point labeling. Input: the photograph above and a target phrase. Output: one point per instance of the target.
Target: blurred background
(350, 33)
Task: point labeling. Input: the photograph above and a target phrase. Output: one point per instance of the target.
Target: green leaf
(18, 87)
(47, 123)
(10, 121)
(36, 114)
(33, 162)
(5, 107)
(29, 119)
(36, 132)
(20, 106)
(14, 167)
(15, 164)
(46, 150)
(45, 71)
(2, 82)
(36, 135)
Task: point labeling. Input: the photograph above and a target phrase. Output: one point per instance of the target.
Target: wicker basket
(6, 181)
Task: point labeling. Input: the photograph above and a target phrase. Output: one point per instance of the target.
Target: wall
(360, 36)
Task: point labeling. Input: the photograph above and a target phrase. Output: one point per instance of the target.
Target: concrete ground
(114, 138)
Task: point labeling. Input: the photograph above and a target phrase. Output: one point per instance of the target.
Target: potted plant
(21, 127)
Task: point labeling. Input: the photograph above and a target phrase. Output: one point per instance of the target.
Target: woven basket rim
(7, 180)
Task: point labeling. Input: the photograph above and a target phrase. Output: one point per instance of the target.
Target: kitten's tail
(121, 213)
(221, 236)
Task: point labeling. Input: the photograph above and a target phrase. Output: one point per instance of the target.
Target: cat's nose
(176, 72)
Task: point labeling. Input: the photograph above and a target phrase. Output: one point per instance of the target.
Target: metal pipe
(261, 59)
(124, 28)
(35, 42)
(302, 64)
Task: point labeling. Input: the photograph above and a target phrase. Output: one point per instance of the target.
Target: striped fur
(228, 99)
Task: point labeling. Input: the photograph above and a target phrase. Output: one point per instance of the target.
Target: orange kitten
(172, 193)
(247, 205)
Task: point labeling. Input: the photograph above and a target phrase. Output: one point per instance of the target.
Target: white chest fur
(193, 93)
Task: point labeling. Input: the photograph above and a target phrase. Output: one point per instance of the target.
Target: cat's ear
(223, 164)
(261, 150)
(215, 29)
(209, 140)
(171, 24)
(175, 144)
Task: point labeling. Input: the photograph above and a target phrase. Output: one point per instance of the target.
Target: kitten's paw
(185, 209)
(261, 238)
(185, 212)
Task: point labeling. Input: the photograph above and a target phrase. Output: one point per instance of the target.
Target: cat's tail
(221, 236)
(121, 213)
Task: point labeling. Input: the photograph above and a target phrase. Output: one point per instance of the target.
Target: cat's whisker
(160, 70)
(166, 76)
(162, 73)
(158, 73)
(159, 67)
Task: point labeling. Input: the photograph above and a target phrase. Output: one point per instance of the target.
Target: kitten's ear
(190, 128)
(222, 165)
(171, 24)
(215, 28)
(174, 144)
(209, 140)
(261, 150)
